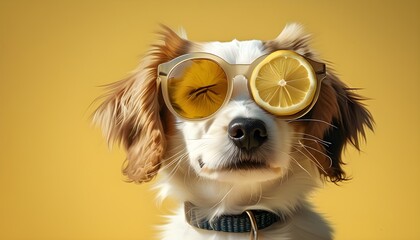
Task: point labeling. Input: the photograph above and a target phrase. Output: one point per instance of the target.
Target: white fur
(281, 188)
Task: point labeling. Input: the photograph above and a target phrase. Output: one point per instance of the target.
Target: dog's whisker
(167, 162)
(312, 120)
(318, 151)
(300, 165)
(310, 157)
(174, 168)
(174, 162)
(326, 144)
(310, 136)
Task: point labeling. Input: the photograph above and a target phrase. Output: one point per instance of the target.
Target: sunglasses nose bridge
(239, 77)
(240, 88)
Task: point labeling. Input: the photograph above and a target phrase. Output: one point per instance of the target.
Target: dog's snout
(247, 133)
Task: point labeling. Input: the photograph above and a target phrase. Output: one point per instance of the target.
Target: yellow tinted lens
(197, 88)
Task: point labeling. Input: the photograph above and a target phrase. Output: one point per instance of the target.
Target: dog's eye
(198, 89)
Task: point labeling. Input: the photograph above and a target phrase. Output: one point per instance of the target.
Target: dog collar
(248, 221)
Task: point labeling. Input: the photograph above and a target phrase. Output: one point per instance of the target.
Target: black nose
(247, 133)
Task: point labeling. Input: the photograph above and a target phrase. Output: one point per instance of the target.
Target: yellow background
(59, 181)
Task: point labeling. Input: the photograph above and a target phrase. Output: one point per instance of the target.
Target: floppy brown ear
(130, 111)
(340, 118)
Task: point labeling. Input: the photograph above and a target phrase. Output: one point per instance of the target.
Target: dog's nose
(247, 133)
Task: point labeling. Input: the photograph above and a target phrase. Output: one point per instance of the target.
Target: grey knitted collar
(251, 220)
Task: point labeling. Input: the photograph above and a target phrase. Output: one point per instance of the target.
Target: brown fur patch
(130, 112)
(323, 113)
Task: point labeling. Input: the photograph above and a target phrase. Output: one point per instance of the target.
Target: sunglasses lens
(284, 84)
(197, 88)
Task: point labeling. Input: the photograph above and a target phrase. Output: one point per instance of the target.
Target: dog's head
(241, 141)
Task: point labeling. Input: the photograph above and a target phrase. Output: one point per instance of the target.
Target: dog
(239, 171)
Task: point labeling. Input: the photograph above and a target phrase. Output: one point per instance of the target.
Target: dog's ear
(130, 111)
(292, 37)
(339, 117)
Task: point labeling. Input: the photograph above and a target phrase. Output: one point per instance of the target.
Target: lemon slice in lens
(284, 83)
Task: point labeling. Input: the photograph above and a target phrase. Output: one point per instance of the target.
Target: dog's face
(241, 142)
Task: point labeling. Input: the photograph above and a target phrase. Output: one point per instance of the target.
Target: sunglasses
(196, 86)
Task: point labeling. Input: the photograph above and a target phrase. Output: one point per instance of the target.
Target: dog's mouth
(239, 165)
(243, 171)
(246, 165)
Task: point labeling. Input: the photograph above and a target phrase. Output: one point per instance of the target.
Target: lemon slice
(284, 83)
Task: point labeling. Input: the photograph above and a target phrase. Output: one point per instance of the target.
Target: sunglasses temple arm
(162, 73)
(319, 68)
